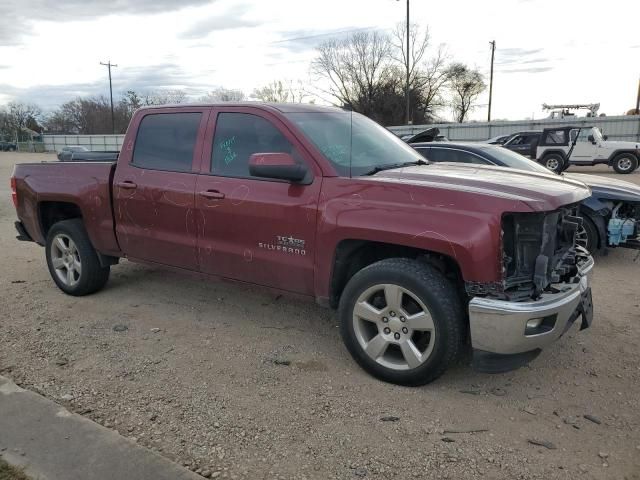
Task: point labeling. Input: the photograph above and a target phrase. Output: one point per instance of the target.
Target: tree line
(365, 72)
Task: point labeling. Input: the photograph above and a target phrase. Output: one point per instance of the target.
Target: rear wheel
(73, 262)
(625, 163)
(553, 162)
(402, 321)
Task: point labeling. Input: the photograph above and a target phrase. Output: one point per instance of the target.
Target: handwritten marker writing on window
(229, 155)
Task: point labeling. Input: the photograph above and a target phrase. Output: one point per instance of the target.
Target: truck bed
(87, 185)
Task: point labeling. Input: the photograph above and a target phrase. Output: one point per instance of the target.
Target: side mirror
(279, 166)
(591, 139)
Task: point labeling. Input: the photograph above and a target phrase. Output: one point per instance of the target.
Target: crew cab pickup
(418, 258)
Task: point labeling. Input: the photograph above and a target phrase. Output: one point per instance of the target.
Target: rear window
(166, 141)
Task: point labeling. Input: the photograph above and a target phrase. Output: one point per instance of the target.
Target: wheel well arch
(546, 153)
(52, 212)
(352, 255)
(615, 153)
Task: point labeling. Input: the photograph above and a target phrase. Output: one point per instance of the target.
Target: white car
(559, 147)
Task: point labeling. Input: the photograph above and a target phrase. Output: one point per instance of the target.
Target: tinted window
(166, 141)
(450, 155)
(557, 137)
(238, 136)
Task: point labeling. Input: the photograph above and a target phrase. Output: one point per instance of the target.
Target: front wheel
(625, 163)
(587, 235)
(73, 262)
(402, 321)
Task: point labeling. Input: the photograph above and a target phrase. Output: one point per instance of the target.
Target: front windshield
(512, 159)
(354, 144)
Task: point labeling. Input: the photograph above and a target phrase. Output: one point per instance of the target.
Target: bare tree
(281, 92)
(20, 116)
(162, 97)
(355, 68)
(221, 94)
(466, 85)
(428, 76)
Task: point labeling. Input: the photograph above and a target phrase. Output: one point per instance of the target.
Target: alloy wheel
(394, 327)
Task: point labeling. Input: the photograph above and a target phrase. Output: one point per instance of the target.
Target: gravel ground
(234, 382)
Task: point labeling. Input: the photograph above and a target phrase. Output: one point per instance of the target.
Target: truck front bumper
(506, 335)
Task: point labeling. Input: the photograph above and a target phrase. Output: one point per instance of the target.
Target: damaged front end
(545, 287)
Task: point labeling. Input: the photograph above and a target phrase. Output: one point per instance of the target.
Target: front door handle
(212, 194)
(127, 184)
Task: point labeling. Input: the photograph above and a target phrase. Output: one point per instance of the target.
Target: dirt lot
(239, 383)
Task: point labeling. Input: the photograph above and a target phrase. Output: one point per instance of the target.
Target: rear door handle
(212, 194)
(127, 184)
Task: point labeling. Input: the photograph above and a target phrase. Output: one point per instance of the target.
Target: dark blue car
(611, 215)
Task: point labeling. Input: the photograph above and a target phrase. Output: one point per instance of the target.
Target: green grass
(7, 472)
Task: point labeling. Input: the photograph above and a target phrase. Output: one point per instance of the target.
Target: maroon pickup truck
(419, 259)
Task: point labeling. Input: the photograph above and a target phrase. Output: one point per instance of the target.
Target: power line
(338, 32)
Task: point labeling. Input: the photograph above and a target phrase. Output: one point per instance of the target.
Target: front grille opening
(538, 251)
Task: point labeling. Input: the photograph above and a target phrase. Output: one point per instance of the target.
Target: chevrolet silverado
(419, 259)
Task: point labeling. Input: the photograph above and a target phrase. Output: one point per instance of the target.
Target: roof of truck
(282, 107)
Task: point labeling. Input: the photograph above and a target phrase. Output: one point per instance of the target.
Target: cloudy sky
(547, 50)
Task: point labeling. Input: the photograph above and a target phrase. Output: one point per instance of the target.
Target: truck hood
(540, 191)
(616, 145)
(609, 186)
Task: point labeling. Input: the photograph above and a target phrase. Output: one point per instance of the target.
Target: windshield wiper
(391, 166)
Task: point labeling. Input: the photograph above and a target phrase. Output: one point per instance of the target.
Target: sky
(547, 51)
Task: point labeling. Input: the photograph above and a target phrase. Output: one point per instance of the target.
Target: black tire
(625, 163)
(553, 162)
(434, 290)
(92, 276)
(590, 237)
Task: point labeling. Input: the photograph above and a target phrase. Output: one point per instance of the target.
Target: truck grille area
(539, 250)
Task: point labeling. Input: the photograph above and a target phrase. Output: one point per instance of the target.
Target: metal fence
(96, 143)
(626, 128)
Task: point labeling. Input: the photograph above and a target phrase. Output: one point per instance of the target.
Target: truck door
(154, 185)
(585, 149)
(253, 229)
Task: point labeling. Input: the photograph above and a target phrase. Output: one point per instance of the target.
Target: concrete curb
(52, 443)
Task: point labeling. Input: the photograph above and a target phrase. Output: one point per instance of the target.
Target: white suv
(558, 148)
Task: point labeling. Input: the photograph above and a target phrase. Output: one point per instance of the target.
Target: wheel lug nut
(396, 336)
(402, 319)
(385, 319)
(387, 330)
(405, 330)
(393, 314)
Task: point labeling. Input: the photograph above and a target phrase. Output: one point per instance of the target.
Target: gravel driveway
(238, 383)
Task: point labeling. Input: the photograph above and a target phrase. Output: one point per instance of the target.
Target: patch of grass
(7, 472)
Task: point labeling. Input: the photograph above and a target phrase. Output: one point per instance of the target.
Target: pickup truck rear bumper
(23, 235)
(506, 335)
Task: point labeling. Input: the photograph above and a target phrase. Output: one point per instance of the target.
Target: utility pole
(408, 92)
(493, 50)
(113, 121)
(408, 87)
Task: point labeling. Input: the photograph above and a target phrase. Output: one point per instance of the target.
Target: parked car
(326, 204)
(67, 151)
(8, 146)
(611, 215)
(428, 135)
(498, 139)
(559, 147)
